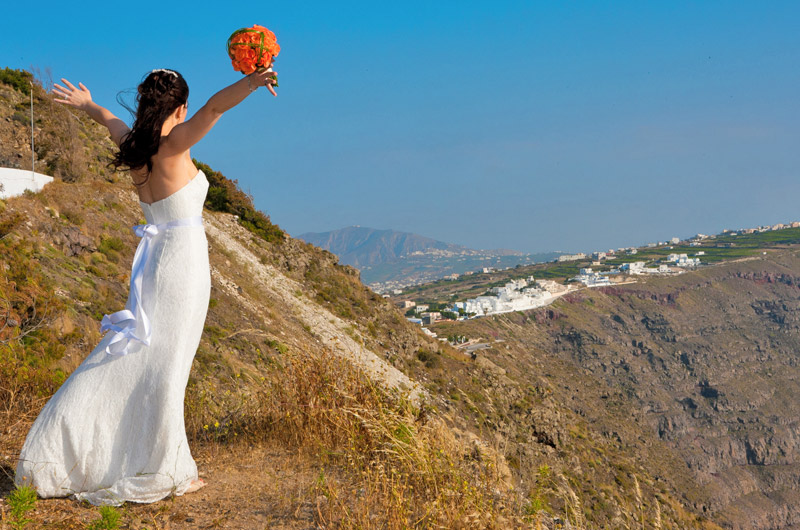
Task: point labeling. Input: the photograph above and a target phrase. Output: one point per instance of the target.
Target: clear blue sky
(528, 125)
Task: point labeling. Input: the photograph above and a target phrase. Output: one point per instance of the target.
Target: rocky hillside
(694, 376)
(312, 402)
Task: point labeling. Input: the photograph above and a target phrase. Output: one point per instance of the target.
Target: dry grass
(382, 463)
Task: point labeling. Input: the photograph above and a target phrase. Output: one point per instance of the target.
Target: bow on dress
(131, 323)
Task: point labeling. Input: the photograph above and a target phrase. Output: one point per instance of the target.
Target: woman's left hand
(79, 98)
(265, 77)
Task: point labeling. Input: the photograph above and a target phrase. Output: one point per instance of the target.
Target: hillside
(312, 402)
(694, 374)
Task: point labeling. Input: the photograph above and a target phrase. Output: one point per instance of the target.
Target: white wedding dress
(114, 431)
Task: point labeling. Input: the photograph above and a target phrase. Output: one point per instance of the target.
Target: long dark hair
(161, 92)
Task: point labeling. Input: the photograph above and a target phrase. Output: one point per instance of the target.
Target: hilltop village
(611, 267)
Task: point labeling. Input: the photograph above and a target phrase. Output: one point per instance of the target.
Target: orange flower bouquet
(253, 48)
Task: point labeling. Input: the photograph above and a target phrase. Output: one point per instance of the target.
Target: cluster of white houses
(516, 295)
(590, 278)
(523, 294)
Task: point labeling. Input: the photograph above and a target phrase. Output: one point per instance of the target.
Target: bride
(114, 431)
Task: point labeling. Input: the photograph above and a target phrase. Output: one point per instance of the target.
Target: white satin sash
(131, 323)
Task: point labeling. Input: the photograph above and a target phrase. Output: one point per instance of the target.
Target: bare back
(170, 174)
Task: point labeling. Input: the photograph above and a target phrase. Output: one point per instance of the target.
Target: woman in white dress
(114, 431)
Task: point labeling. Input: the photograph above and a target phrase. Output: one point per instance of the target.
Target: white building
(688, 262)
(682, 260)
(636, 267)
(589, 278)
(513, 296)
(14, 182)
(571, 257)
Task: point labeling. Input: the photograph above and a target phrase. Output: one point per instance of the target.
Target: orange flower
(245, 54)
(250, 48)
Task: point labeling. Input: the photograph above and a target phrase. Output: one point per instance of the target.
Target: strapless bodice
(186, 202)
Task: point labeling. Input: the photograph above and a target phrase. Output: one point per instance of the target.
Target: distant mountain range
(388, 258)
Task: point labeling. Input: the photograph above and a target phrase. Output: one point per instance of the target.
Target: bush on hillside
(18, 79)
(225, 196)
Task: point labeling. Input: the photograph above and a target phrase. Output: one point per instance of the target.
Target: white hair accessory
(171, 72)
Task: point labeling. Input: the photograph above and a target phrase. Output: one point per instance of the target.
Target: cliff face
(695, 375)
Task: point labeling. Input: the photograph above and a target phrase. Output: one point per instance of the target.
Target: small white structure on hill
(682, 260)
(16, 181)
(571, 257)
(635, 267)
(589, 278)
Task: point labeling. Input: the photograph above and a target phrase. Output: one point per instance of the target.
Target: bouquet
(253, 48)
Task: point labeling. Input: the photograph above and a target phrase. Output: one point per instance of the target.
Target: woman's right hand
(80, 98)
(264, 77)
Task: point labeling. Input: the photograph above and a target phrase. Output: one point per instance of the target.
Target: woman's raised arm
(80, 98)
(188, 133)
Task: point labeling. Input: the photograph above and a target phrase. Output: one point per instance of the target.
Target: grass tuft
(109, 519)
(21, 501)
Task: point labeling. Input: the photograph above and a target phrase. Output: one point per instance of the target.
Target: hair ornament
(165, 70)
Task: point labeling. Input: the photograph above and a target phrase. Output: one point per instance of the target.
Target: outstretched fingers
(62, 95)
(71, 95)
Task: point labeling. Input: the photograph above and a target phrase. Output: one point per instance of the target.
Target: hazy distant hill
(388, 256)
(361, 246)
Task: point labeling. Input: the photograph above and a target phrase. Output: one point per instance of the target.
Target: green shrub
(224, 196)
(73, 217)
(429, 359)
(109, 519)
(18, 79)
(280, 347)
(7, 224)
(21, 500)
(110, 246)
